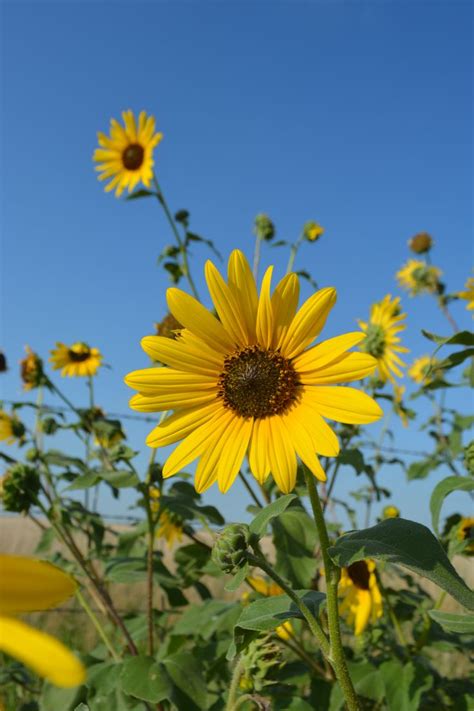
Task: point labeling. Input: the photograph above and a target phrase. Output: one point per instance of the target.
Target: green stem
(256, 256)
(179, 240)
(332, 484)
(336, 651)
(95, 621)
(250, 490)
(293, 252)
(231, 704)
(150, 551)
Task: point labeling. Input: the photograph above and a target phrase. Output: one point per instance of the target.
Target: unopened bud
(230, 548)
(421, 243)
(264, 227)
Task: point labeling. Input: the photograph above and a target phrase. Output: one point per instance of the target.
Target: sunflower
(312, 231)
(424, 370)
(465, 532)
(76, 360)
(381, 339)
(11, 429)
(391, 511)
(127, 155)
(31, 370)
(417, 277)
(168, 526)
(398, 406)
(468, 294)
(249, 383)
(270, 589)
(362, 601)
(29, 585)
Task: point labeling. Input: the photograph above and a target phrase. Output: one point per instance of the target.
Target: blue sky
(358, 115)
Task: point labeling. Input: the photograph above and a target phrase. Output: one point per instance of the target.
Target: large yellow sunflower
(249, 383)
(76, 360)
(127, 155)
(381, 339)
(28, 585)
(417, 277)
(362, 601)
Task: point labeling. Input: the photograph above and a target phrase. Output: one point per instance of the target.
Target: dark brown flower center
(359, 574)
(133, 156)
(78, 357)
(258, 383)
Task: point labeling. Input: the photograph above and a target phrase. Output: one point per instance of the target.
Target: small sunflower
(465, 532)
(424, 370)
(417, 277)
(31, 370)
(381, 339)
(168, 526)
(312, 231)
(127, 155)
(249, 382)
(77, 360)
(362, 601)
(270, 589)
(398, 406)
(391, 511)
(468, 294)
(11, 429)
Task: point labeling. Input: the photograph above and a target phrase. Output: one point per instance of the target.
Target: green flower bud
(20, 488)
(469, 457)
(264, 227)
(230, 548)
(49, 426)
(421, 243)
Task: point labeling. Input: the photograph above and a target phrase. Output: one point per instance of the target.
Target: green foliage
(441, 491)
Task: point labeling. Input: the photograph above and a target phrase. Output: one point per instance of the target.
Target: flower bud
(264, 227)
(312, 231)
(49, 426)
(31, 370)
(469, 457)
(229, 552)
(421, 243)
(391, 511)
(20, 488)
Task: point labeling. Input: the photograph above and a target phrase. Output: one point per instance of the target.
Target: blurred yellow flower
(168, 527)
(417, 277)
(127, 155)
(249, 382)
(312, 231)
(28, 585)
(465, 532)
(424, 369)
(381, 339)
(391, 511)
(77, 360)
(11, 429)
(31, 370)
(468, 294)
(398, 406)
(361, 598)
(421, 243)
(270, 589)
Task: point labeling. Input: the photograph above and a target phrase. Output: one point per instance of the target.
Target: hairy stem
(95, 621)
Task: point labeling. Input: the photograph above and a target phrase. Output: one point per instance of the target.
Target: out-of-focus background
(357, 115)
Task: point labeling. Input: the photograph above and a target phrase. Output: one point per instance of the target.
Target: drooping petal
(234, 452)
(327, 351)
(194, 316)
(27, 584)
(45, 655)
(226, 305)
(343, 404)
(207, 468)
(282, 455)
(264, 328)
(308, 322)
(324, 439)
(362, 611)
(348, 367)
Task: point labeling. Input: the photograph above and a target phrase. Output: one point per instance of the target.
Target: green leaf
(204, 619)
(53, 698)
(145, 679)
(82, 707)
(404, 684)
(421, 469)
(461, 624)
(456, 358)
(354, 458)
(259, 525)
(462, 338)
(442, 489)
(188, 689)
(54, 457)
(238, 579)
(141, 194)
(83, 481)
(404, 543)
(270, 612)
(119, 478)
(295, 538)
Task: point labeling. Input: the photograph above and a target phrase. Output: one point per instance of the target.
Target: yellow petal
(348, 367)
(226, 305)
(324, 439)
(28, 584)
(45, 655)
(234, 452)
(193, 315)
(327, 351)
(284, 304)
(303, 443)
(258, 452)
(183, 356)
(264, 313)
(182, 423)
(162, 381)
(242, 284)
(342, 404)
(362, 611)
(308, 322)
(170, 401)
(206, 470)
(282, 455)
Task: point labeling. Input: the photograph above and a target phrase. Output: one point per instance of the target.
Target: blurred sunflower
(468, 294)
(312, 231)
(127, 155)
(391, 511)
(417, 277)
(31, 370)
(169, 527)
(362, 601)
(249, 383)
(424, 369)
(381, 339)
(270, 589)
(11, 429)
(465, 532)
(29, 585)
(77, 360)
(398, 406)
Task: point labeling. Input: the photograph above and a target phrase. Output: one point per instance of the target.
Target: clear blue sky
(358, 115)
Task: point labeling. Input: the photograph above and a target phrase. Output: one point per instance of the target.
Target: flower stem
(333, 573)
(95, 621)
(179, 240)
(231, 704)
(293, 252)
(250, 490)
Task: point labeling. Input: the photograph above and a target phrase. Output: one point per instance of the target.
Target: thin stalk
(250, 490)
(336, 650)
(150, 554)
(303, 655)
(256, 256)
(179, 240)
(95, 621)
(293, 252)
(38, 435)
(231, 704)
(445, 311)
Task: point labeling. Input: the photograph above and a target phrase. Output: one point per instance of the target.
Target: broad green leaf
(103, 676)
(270, 612)
(53, 698)
(82, 707)
(54, 457)
(442, 489)
(145, 679)
(259, 525)
(456, 358)
(462, 338)
(354, 458)
(405, 543)
(84, 481)
(141, 194)
(421, 469)
(204, 619)
(367, 681)
(295, 539)
(119, 478)
(451, 622)
(188, 686)
(404, 684)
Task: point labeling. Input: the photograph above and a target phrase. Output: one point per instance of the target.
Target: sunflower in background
(168, 526)
(126, 156)
(361, 598)
(31, 370)
(249, 382)
(11, 429)
(381, 337)
(418, 277)
(424, 369)
(468, 294)
(465, 532)
(29, 585)
(78, 360)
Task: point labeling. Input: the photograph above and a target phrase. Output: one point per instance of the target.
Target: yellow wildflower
(417, 277)
(77, 360)
(381, 337)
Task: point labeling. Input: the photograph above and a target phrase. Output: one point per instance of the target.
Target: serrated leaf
(441, 491)
(145, 679)
(451, 622)
(259, 525)
(404, 543)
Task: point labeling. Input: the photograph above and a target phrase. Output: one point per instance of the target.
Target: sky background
(357, 115)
